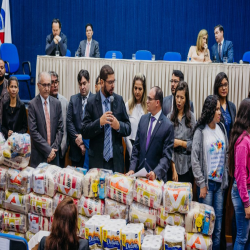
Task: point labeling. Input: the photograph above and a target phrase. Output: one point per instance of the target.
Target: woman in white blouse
(136, 107)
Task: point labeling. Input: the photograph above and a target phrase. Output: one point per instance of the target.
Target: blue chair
(143, 55)
(172, 56)
(14, 242)
(118, 54)
(9, 54)
(68, 53)
(246, 57)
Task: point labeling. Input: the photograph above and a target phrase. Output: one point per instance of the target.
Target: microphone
(111, 99)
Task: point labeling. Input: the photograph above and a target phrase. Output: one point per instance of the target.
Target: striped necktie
(47, 118)
(107, 136)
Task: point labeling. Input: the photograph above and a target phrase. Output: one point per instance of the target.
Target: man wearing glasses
(177, 76)
(45, 124)
(64, 102)
(105, 123)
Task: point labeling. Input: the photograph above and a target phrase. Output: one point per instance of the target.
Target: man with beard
(105, 123)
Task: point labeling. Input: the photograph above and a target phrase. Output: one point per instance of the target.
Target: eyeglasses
(151, 99)
(44, 85)
(224, 85)
(175, 81)
(111, 82)
(56, 82)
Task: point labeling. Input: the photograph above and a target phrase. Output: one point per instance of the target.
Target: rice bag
(120, 188)
(200, 219)
(18, 162)
(89, 207)
(19, 143)
(159, 231)
(80, 170)
(147, 192)
(14, 222)
(38, 222)
(177, 197)
(16, 202)
(116, 210)
(13, 233)
(20, 181)
(70, 182)
(58, 198)
(45, 178)
(198, 241)
(2, 198)
(41, 204)
(81, 225)
(164, 218)
(139, 213)
(28, 236)
(3, 177)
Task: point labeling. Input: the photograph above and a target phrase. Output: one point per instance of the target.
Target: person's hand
(203, 192)
(177, 143)
(55, 40)
(151, 175)
(83, 149)
(106, 118)
(114, 123)
(58, 38)
(78, 140)
(205, 46)
(52, 155)
(247, 211)
(10, 133)
(175, 175)
(130, 172)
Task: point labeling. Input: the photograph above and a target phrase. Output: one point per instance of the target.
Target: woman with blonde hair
(200, 52)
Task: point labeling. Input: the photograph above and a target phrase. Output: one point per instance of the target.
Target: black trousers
(127, 159)
(78, 164)
(187, 177)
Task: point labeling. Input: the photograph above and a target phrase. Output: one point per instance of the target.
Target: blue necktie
(150, 131)
(107, 132)
(220, 51)
(83, 106)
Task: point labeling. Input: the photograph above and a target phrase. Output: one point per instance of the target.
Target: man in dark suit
(76, 112)
(45, 124)
(56, 41)
(154, 142)
(222, 48)
(177, 76)
(105, 123)
(89, 47)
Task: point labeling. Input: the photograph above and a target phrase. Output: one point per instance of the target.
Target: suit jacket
(64, 145)
(74, 125)
(94, 49)
(93, 131)
(227, 51)
(51, 47)
(38, 132)
(158, 156)
(167, 105)
(232, 111)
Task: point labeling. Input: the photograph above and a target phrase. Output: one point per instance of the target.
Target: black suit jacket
(38, 132)
(94, 49)
(51, 47)
(74, 125)
(93, 131)
(158, 156)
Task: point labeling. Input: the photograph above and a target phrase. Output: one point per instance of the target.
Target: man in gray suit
(89, 47)
(64, 102)
(45, 124)
(167, 107)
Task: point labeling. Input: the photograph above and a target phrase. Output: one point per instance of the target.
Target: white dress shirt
(47, 100)
(155, 121)
(87, 46)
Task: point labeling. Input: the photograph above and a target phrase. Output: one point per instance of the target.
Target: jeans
(242, 224)
(214, 198)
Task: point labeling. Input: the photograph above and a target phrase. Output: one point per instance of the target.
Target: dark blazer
(94, 49)
(93, 131)
(16, 121)
(227, 51)
(4, 97)
(38, 132)
(167, 105)
(74, 125)
(51, 47)
(232, 111)
(158, 156)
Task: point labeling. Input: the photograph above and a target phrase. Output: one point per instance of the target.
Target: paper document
(5, 244)
(141, 173)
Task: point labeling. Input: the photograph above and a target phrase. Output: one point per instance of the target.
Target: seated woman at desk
(14, 112)
(200, 52)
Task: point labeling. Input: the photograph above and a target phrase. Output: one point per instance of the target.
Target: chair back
(246, 57)
(68, 53)
(9, 53)
(172, 56)
(13, 242)
(109, 54)
(143, 55)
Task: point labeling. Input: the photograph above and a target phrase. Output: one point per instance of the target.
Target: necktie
(220, 51)
(83, 106)
(47, 118)
(150, 131)
(87, 52)
(107, 132)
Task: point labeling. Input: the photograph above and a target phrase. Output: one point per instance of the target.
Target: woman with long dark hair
(239, 168)
(209, 161)
(184, 122)
(64, 230)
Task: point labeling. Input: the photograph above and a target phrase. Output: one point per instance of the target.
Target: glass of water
(57, 53)
(133, 56)
(224, 59)
(76, 54)
(153, 57)
(113, 55)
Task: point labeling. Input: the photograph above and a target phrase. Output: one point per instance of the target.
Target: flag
(5, 27)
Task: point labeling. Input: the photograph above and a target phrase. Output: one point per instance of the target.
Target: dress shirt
(47, 100)
(155, 121)
(86, 100)
(87, 46)
(221, 46)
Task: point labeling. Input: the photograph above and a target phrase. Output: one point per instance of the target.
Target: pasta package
(147, 192)
(45, 178)
(58, 198)
(200, 219)
(16, 202)
(139, 213)
(120, 188)
(29, 235)
(80, 170)
(198, 241)
(81, 225)
(3, 177)
(116, 210)
(164, 218)
(38, 222)
(41, 204)
(13, 233)
(89, 207)
(18, 162)
(14, 222)
(2, 198)
(20, 181)
(177, 197)
(19, 143)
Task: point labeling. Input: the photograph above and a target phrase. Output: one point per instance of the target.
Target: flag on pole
(5, 26)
